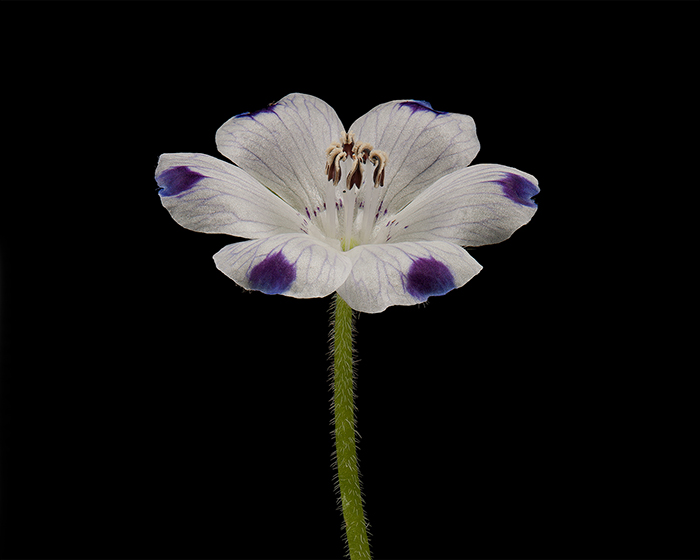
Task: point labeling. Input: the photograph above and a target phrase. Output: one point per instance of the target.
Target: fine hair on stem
(345, 462)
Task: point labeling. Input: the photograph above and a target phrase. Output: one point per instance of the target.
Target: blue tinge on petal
(269, 109)
(428, 277)
(177, 180)
(519, 189)
(273, 275)
(415, 105)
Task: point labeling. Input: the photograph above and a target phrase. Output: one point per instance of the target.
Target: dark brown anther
(347, 148)
(332, 173)
(334, 155)
(355, 176)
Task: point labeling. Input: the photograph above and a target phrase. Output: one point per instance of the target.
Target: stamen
(334, 155)
(379, 159)
(359, 151)
(348, 140)
(362, 150)
(355, 175)
(340, 226)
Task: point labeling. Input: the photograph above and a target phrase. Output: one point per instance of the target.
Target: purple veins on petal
(428, 277)
(177, 180)
(273, 275)
(518, 189)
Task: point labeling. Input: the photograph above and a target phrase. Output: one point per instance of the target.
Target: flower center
(351, 216)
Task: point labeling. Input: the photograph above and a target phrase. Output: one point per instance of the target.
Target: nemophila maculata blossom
(379, 213)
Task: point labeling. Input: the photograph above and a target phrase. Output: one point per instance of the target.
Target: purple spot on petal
(273, 275)
(519, 189)
(177, 180)
(428, 277)
(420, 106)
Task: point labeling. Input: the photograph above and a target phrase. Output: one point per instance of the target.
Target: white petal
(284, 147)
(404, 273)
(478, 205)
(205, 194)
(294, 265)
(422, 145)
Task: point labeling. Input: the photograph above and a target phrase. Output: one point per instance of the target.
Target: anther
(379, 159)
(355, 176)
(348, 141)
(360, 152)
(334, 155)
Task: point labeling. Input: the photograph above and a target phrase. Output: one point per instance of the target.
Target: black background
(153, 409)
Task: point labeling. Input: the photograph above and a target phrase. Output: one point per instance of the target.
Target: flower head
(379, 213)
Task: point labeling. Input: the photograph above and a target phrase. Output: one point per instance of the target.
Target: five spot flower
(379, 213)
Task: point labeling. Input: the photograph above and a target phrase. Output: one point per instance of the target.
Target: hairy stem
(344, 418)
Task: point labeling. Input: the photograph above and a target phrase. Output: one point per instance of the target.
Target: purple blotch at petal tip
(177, 180)
(518, 189)
(273, 275)
(251, 114)
(428, 277)
(416, 105)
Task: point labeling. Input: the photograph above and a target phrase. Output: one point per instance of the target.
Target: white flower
(379, 213)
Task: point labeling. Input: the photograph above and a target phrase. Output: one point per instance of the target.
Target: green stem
(344, 417)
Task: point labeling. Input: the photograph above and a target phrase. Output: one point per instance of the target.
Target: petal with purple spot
(206, 194)
(177, 180)
(284, 147)
(422, 145)
(294, 265)
(416, 105)
(404, 273)
(518, 189)
(478, 205)
(273, 275)
(428, 277)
